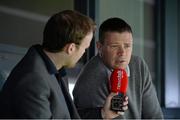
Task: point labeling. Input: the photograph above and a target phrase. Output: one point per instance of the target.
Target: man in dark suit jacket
(35, 88)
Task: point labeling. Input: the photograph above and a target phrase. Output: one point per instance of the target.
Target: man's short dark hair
(113, 25)
(66, 27)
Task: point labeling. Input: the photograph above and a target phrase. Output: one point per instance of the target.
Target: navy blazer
(31, 91)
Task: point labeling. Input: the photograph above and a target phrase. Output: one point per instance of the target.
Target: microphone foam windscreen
(118, 81)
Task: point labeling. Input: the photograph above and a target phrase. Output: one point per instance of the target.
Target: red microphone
(118, 84)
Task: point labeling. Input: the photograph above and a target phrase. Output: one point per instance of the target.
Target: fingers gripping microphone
(118, 84)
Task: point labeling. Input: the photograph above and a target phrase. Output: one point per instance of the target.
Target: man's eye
(127, 46)
(114, 46)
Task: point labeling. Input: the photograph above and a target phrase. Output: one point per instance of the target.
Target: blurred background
(156, 32)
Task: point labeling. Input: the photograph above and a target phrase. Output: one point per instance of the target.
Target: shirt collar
(109, 71)
(128, 71)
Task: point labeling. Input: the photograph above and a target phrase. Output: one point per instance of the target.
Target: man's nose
(121, 50)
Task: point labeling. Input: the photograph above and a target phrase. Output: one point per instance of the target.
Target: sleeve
(89, 96)
(31, 98)
(91, 89)
(150, 104)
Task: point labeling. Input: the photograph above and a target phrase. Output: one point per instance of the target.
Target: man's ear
(70, 48)
(98, 45)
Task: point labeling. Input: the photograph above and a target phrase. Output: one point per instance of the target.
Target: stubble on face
(117, 49)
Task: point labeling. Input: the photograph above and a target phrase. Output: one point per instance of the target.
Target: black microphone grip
(118, 84)
(117, 102)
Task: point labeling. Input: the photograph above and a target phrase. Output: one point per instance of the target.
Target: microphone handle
(117, 102)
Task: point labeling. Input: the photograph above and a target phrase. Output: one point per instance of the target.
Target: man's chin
(70, 66)
(120, 66)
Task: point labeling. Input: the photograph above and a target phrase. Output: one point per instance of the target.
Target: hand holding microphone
(118, 85)
(117, 101)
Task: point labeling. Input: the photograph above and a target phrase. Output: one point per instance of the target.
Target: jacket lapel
(71, 107)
